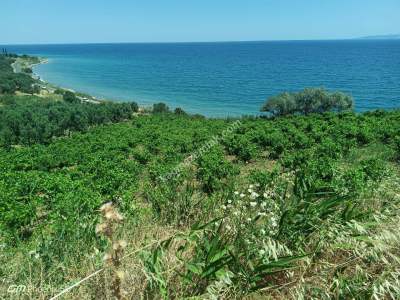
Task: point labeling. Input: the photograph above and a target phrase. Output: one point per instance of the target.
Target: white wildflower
(254, 195)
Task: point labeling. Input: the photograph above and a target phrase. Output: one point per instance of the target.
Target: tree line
(11, 82)
(29, 120)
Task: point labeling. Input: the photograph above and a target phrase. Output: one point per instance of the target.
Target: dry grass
(354, 259)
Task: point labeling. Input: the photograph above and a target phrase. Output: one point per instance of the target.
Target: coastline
(47, 88)
(28, 62)
(50, 89)
(220, 81)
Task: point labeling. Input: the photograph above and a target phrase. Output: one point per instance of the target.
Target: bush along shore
(303, 204)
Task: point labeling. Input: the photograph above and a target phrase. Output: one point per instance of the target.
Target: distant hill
(382, 37)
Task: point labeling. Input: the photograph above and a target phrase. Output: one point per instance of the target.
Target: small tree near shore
(160, 108)
(70, 97)
(179, 111)
(310, 100)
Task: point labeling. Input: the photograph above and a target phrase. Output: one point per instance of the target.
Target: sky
(109, 21)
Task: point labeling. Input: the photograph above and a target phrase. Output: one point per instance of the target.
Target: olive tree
(160, 108)
(309, 100)
(280, 105)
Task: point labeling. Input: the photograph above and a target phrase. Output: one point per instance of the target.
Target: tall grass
(313, 214)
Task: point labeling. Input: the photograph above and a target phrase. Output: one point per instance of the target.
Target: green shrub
(141, 154)
(70, 97)
(262, 178)
(59, 91)
(277, 143)
(134, 106)
(27, 70)
(179, 111)
(329, 148)
(364, 136)
(160, 108)
(242, 147)
(375, 169)
(213, 168)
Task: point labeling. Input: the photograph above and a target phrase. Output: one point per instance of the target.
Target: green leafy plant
(213, 168)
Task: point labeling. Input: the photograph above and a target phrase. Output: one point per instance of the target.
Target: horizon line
(187, 42)
(366, 37)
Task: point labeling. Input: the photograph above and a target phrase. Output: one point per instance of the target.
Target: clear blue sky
(77, 21)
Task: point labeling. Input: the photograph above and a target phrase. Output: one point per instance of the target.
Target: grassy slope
(50, 196)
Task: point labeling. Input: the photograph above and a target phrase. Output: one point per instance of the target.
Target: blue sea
(224, 79)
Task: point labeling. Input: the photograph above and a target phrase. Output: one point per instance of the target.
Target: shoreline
(47, 88)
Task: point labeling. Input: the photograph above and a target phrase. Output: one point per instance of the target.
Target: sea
(224, 79)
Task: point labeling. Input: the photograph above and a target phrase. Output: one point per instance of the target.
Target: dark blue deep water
(225, 79)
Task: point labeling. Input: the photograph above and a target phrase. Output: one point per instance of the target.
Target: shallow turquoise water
(224, 79)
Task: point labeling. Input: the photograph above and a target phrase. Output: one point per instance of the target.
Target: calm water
(221, 79)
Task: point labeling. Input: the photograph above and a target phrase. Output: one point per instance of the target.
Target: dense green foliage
(160, 108)
(30, 119)
(213, 168)
(307, 101)
(70, 97)
(179, 111)
(11, 82)
(308, 176)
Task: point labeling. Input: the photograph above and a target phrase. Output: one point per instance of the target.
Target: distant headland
(381, 37)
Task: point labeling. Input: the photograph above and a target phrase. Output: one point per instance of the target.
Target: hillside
(253, 208)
